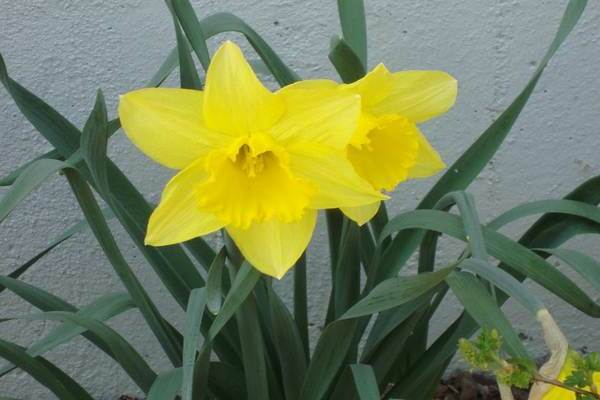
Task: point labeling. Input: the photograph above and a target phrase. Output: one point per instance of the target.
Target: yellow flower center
(250, 181)
(384, 149)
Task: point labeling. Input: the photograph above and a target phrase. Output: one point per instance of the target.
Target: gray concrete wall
(63, 50)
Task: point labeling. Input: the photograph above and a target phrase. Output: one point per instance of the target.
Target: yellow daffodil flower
(387, 148)
(557, 393)
(254, 162)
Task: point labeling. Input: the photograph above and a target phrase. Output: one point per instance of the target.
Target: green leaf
(30, 178)
(226, 22)
(242, 286)
(584, 265)
(213, 282)
(127, 357)
(194, 313)
(390, 320)
(252, 341)
(289, 346)
(327, 359)
(346, 62)
(483, 308)
(168, 339)
(35, 296)
(301, 303)
(471, 162)
(569, 207)
(515, 255)
(346, 276)
(354, 27)
(101, 309)
(548, 231)
(56, 128)
(10, 178)
(505, 282)
(193, 29)
(397, 291)
(187, 69)
(68, 233)
(226, 382)
(166, 385)
(63, 386)
(365, 382)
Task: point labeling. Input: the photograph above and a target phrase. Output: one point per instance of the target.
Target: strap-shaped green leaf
(166, 385)
(191, 339)
(518, 257)
(214, 293)
(301, 302)
(242, 286)
(327, 359)
(397, 291)
(62, 385)
(186, 16)
(128, 358)
(550, 230)
(584, 265)
(505, 282)
(10, 178)
(30, 178)
(346, 62)
(289, 346)
(464, 170)
(354, 27)
(365, 382)
(483, 308)
(168, 338)
(570, 207)
(101, 309)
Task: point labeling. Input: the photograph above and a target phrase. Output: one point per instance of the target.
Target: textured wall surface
(63, 50)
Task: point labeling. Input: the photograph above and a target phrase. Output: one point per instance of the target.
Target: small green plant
(577, 374)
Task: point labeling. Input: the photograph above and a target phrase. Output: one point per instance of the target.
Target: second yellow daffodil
(256, 163)
(387, 147)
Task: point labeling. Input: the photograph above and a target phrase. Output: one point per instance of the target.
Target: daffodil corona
(387, 147)
(254, 162)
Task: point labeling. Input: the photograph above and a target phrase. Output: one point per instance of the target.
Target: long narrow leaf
(483, 308)
(63, 386)
(127, 357)
(365, 381)
(167, 338)
(193, 319)
(462, 172)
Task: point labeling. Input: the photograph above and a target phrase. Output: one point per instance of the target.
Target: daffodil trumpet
(256, 163)
(387, 147)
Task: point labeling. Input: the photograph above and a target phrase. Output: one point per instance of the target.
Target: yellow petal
(418, 95)
(273, 247)
(428, 160)
(235, 100)
(321, 115)
(254, 184)
(167, 125)
(361, 214)
(338, 185)
(390, 154)
(178, 216)
(373, 87)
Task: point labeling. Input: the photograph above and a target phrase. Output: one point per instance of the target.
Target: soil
(463, 385)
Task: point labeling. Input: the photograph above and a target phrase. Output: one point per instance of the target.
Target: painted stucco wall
(63, 50)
